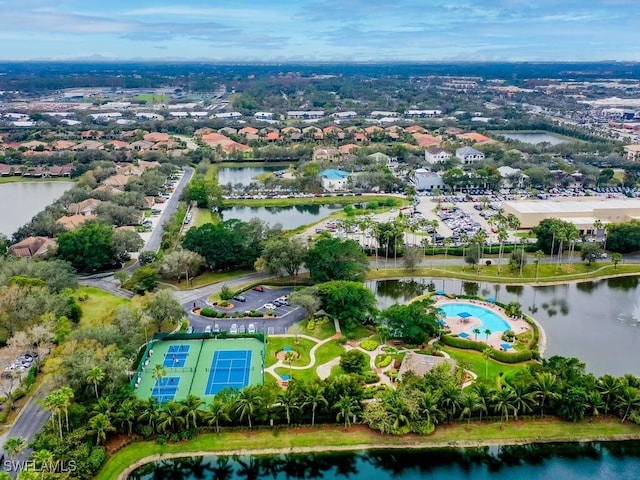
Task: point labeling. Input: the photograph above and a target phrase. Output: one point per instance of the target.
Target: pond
(534, 138)
(596, 461)
(22, 200)
(597, 322)
(290, 217)
(245, 175)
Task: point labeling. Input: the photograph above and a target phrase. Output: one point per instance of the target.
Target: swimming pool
(488, 319)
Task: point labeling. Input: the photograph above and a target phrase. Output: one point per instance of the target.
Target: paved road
(154, 241)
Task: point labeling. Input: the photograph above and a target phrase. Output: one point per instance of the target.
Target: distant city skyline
(320, 30)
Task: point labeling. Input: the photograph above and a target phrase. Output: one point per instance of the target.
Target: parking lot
(265, 301)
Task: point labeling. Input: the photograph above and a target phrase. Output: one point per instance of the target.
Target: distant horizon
(287, 31)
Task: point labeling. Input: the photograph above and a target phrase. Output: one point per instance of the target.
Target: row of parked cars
(233, 330)
(23, 362)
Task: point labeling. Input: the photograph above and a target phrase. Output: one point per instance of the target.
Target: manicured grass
(20, 179)
(207, 278)
(99, 307)
(490, 274)
(306, 375)
(328, 351)
(303, 346)
(320, 331)
(477, 362)
(204, 216)
(359, 437)
(360, 332)
(152, 98)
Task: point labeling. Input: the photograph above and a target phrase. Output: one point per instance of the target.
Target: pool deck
(458, 325)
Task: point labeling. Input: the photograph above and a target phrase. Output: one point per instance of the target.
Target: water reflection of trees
(470, 288)
(624, 284)
(394, 462)
(400, 289)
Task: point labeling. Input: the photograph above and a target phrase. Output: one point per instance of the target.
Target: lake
(534, 138)
(245, 175)
(595, 461)
(597, 322)
(290, 216)
(22, 200)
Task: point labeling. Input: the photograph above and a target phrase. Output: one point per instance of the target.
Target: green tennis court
(201, 367)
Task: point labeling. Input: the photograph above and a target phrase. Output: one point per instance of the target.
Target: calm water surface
(615, 461)
(290, 217)
(534, 138)
(244, 175)
(597, 322)
(20, 201)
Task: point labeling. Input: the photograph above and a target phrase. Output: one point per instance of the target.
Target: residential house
(512, 177)
(264, 116)
(475, 137)
(426, 140)
(327, 154)
(344, 115)
(86, 207)
(228, 115)
(305, 115)
(348, 148)
(422, 113)
(334, 180)
(415, 129)
(436, 155)
(420, 365)
(119, 180)
(247, 130)
(88, 145)
(61, 170)
(633, 152)
(33, 247)
(468, 155)
(156, 137)
(140, 145)
(74, 221)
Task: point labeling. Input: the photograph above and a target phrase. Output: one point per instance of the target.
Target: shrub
(161, 440)
(96, 459)
(371, 377)
(175, 437)
(322, 321)
(226, 293)
(311, 325)
(369, 345)
(505, 357)
(223, 303)
(31, 378)
(342, 340)
(208, 312)
(385, 362)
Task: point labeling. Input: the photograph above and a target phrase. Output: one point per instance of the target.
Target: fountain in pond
(631, 319)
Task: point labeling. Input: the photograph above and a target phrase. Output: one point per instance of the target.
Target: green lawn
(204, 216)
(99, 307)
(303, 346)
(320, 331)
(328, 351)
(306, 375)
(477, 362)
(18, 179)
(326, 437)
(207, 278)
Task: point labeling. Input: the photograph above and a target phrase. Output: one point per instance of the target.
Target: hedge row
(505, 357)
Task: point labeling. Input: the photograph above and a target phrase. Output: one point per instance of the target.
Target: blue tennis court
(229, 368)
(176, 356)
(165, 389)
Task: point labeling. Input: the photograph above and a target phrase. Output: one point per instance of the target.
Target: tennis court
(165, 389)
(202, 367)
(176, 356)
(229, 369)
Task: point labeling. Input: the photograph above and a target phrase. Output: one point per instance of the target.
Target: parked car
(189, 329)
(240, 298)
(258, 288)
(241, 329)
(207, 329)
(234, 329)
(251, 328)
(269, 306)
(216, 328)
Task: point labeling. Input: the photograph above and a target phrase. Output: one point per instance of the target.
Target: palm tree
(595, 402)
(628, 398)
(610, 387)
(486, 353)
(95, 376)
(218, 410)
(561, 234)
(192, 411)
(539, 254)
(572, 234)
(247, 402)
(42, 459)
(314, 397)
(502, 236)
(100, 425)
(484, 394)
(289, 402)
(616, 258)
(53, 403)
(487, 332)
(429, 407)
(450, 400)
(476, 331)
(127, 415)
(522, 399)
(159, 372)
(469, 403)
(544, 388)
(66, 395)
(14, 446)
(503, 403)
(171, 417)
(346, 407)
(151, 412)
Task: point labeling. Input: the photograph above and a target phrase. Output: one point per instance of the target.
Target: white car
(234, 329)
(269, 306)
(207, 329)
(251, 328)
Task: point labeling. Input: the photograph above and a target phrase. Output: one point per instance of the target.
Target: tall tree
(335, 259)
(163, 307)
(95, 376)
(350, 302)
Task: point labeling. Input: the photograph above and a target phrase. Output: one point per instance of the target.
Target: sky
(320, 30)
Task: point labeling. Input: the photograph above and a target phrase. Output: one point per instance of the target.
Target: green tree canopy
(335, 259)
(412, 323)
(89, 247)
(350, 302)
(547, 233)
(624, 237)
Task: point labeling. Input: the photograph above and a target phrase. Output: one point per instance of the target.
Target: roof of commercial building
(572, 206)
(332, 174)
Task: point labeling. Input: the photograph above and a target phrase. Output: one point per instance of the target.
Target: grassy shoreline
(334, 438)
